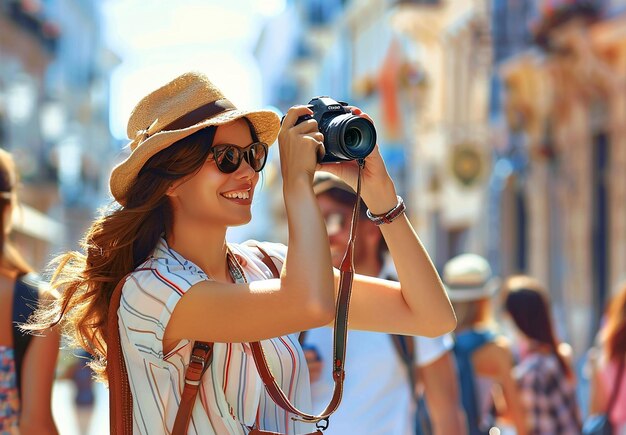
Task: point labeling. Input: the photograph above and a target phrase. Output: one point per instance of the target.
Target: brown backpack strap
(267, 260)
(200, 360)
(302, 337)
(120, 396)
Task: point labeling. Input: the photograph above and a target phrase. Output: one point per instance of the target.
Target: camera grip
(303, 118)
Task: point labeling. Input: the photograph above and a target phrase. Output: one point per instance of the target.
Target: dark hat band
(200, 114)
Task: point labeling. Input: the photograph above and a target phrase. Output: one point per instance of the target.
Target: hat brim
(325, 181)
(466, 294)
(266, 124)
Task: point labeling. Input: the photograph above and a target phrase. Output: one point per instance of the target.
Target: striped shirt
(232, 397)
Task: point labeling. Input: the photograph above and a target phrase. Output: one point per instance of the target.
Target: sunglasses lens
(257, 156)
(228, 158)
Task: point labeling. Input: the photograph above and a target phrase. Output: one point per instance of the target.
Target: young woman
(606, 380)
(27, 363)
(192, 173)
(544, 374)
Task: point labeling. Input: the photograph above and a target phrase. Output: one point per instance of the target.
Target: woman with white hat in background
(483, 356)
(192, 172)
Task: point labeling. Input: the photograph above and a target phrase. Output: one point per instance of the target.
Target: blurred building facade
(450, 126)
(563, 217)
(54, 116)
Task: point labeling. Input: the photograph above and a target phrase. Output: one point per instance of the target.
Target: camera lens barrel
(348, 137)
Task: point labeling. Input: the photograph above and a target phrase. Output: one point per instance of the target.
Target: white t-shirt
(232, 395)
(377, 397)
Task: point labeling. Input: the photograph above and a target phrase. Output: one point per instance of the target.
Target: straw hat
(468, 277)
(176, 110)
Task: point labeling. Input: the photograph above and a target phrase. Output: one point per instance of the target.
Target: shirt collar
(163, 253)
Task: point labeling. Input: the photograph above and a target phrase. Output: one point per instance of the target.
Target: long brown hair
(10, 258)
(528, 304)
(614, 332)
(116, 243)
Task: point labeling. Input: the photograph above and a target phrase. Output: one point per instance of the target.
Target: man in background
(384, 374)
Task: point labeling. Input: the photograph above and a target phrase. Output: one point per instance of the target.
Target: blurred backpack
(25, 300)
(466, 343)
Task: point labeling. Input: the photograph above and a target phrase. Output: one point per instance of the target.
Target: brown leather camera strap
(120, 396)
(339, 337)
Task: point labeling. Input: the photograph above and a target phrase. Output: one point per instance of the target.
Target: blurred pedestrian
(27, 363)
(544, 374)
(379, 396)
(483, 356)
(608, 380)
(192, 171)
(83, 378)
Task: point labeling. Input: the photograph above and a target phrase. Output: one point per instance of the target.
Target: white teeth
(238, 195)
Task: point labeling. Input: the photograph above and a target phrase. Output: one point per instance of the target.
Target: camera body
(346, 136)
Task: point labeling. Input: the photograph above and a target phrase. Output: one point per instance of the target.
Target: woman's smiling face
(213, 197)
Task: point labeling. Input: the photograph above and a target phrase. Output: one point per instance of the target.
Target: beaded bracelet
(390, 216)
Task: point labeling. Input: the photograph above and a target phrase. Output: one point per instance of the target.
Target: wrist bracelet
(390, 216)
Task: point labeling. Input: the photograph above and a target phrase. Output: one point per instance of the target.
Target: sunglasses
(228, 157)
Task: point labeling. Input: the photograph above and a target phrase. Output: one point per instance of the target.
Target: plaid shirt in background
(548, 396)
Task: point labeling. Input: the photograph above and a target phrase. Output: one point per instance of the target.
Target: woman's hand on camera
(377, 188)
(299, 145)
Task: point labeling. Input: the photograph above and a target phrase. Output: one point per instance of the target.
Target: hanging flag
(388, 81)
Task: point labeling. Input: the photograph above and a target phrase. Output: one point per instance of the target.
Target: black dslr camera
(346, 136)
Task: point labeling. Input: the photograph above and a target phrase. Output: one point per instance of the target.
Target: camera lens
(358, 137)
(349, 137)
(352, 137)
